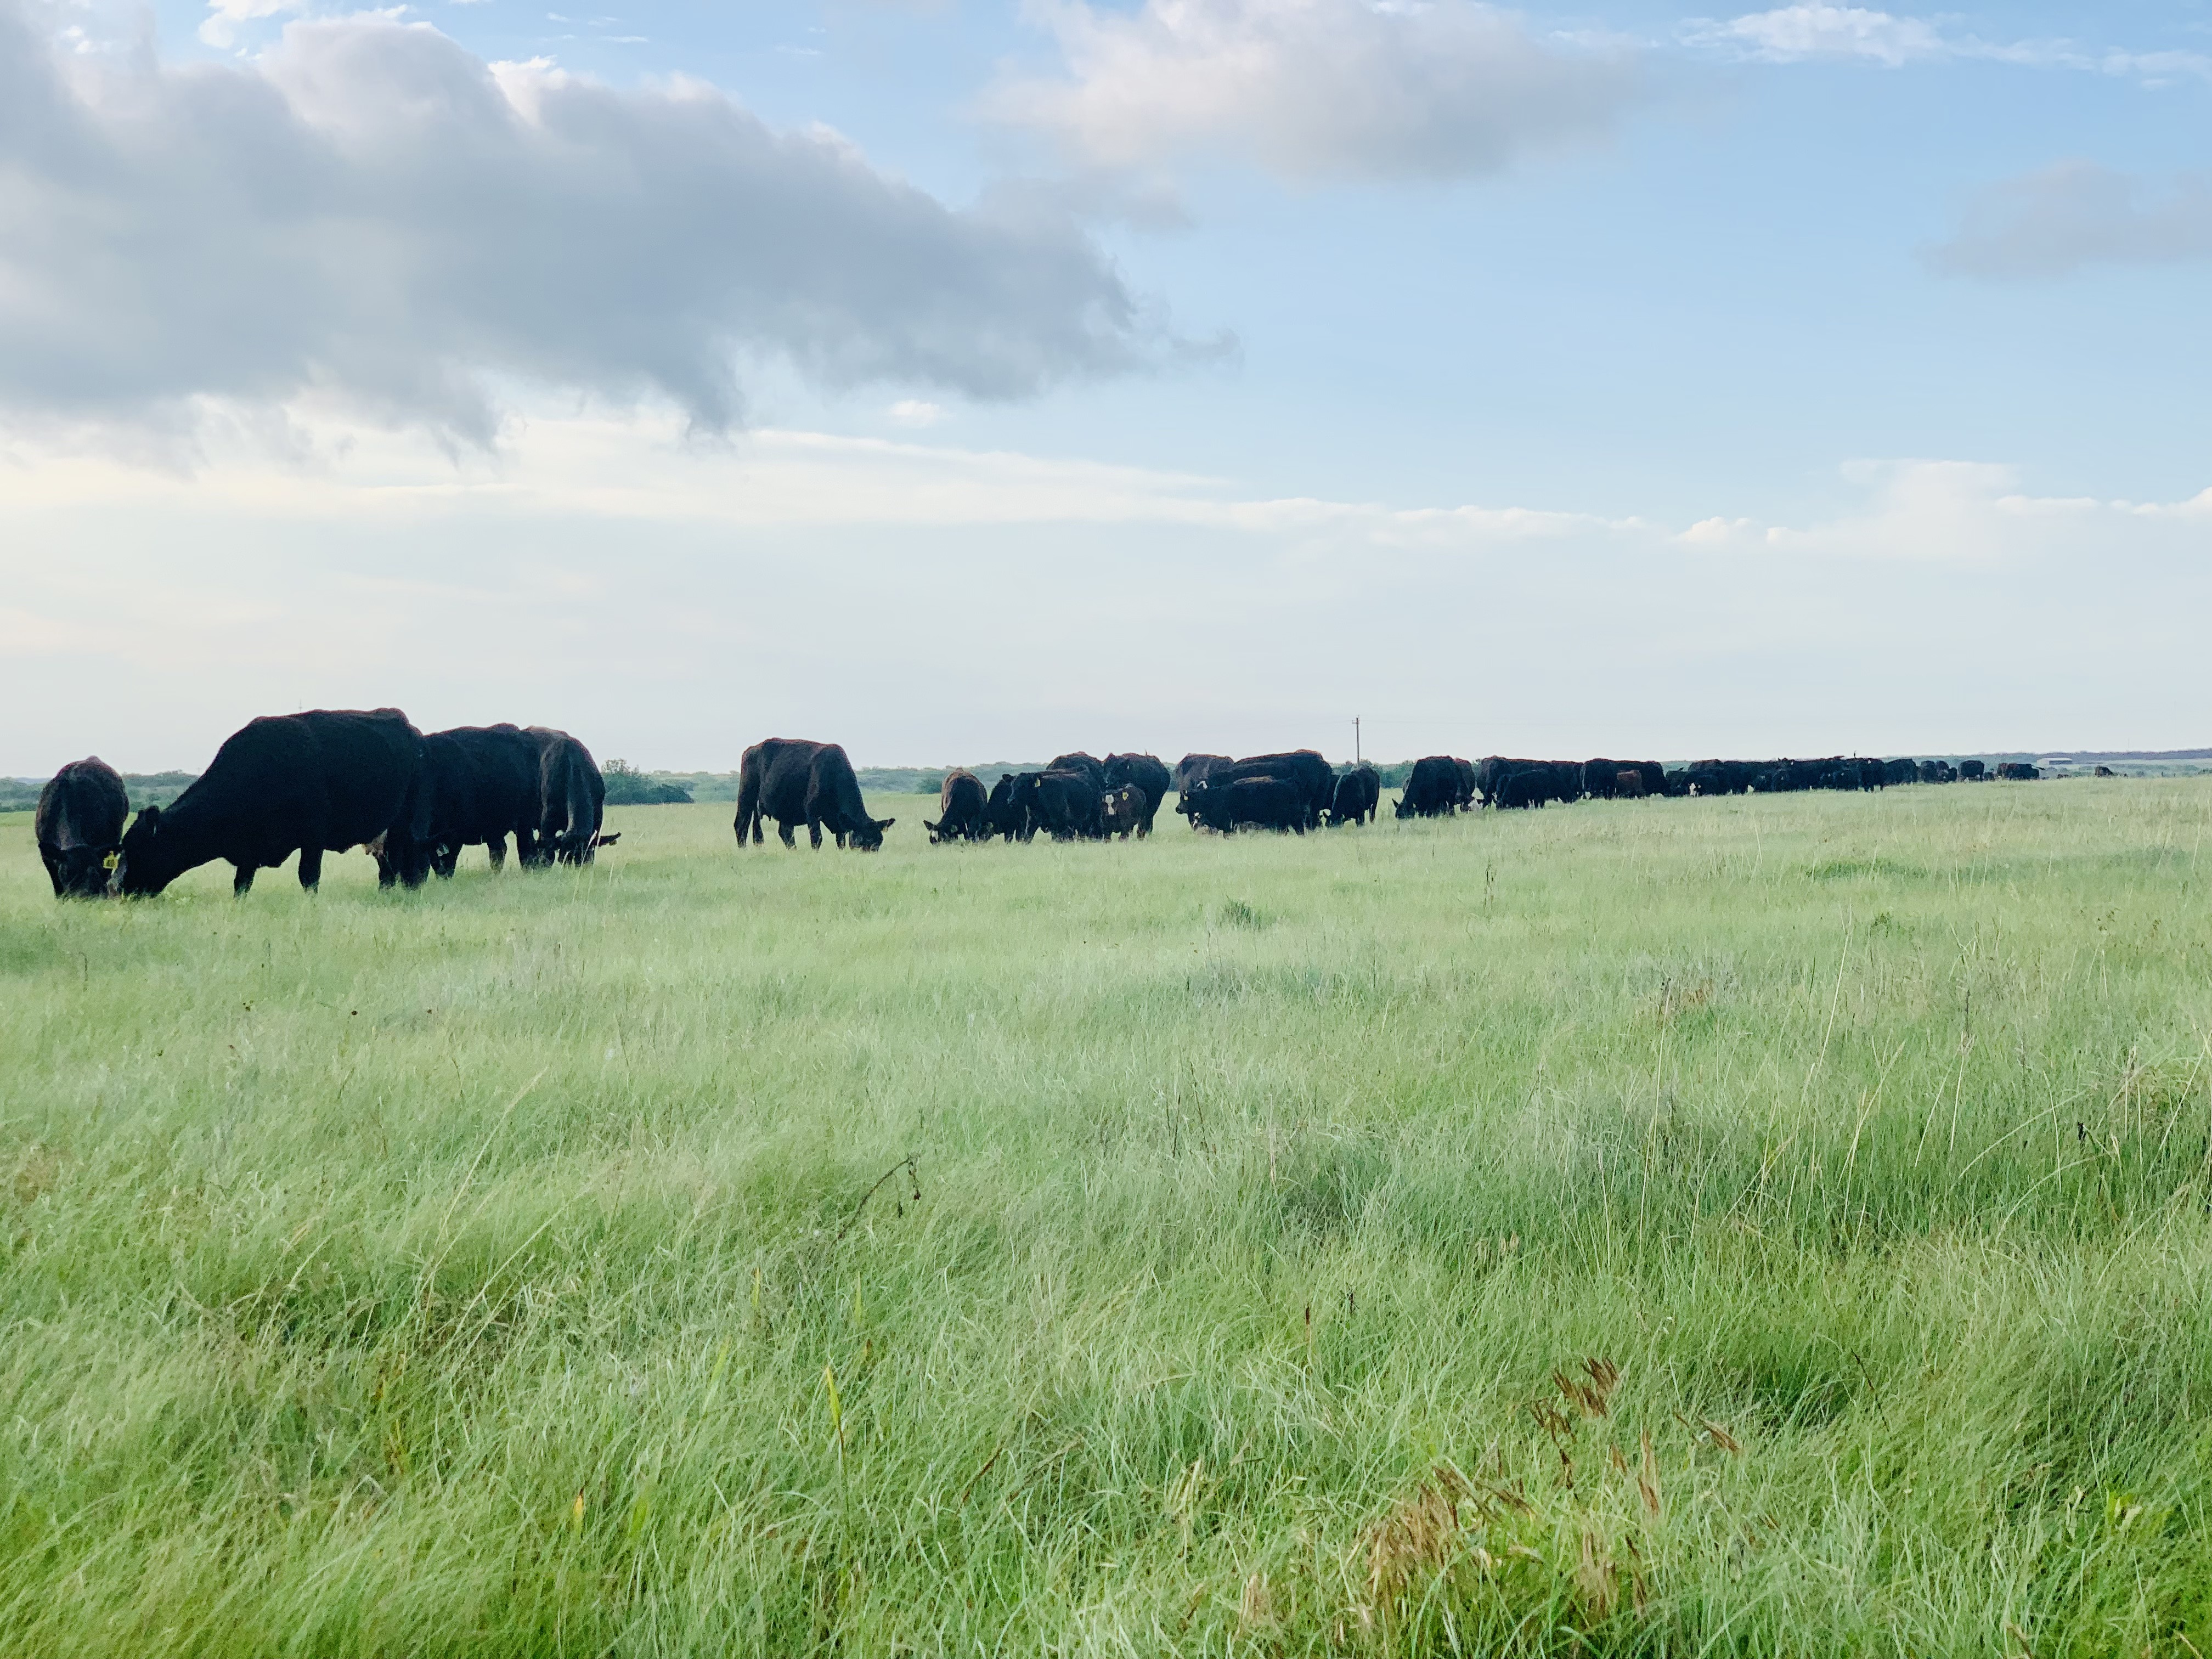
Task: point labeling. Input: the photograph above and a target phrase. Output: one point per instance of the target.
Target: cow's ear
(149, 816)
(885, 823)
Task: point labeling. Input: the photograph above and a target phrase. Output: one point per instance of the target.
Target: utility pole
(1355, 739)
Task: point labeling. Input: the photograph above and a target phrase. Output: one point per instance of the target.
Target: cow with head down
(795, 780)
(79, 826)
(962, 808)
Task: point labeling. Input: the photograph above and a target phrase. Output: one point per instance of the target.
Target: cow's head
(139, 859)
(85, 871)
(870, 836)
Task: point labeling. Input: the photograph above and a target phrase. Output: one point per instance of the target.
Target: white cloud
(2056, 221)
(1815, 32)
(1315, 90)
(606, 574)
(917, 412)
(227, 18)
(368, 209)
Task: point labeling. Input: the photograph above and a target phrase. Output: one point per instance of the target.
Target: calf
(79, 826)
(1146, 773)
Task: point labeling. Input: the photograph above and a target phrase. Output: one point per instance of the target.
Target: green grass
(487, 1270)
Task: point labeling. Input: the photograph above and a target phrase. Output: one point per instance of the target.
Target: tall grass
(1774, 1225)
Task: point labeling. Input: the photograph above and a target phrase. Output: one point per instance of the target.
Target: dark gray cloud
(2056, 221)
(369, 209)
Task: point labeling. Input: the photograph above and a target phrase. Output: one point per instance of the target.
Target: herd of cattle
(325, 781)
(330, 780)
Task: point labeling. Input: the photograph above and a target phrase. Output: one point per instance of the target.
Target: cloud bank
(2076, 214)
(371, 211)
(1315, 90)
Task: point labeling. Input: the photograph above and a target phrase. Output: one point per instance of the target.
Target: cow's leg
(241, 880)
(783, 829)
(814, 833)
(311, 869)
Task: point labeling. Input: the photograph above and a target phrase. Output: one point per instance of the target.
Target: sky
(961, 380)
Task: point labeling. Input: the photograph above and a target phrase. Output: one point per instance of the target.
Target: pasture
(1774, 1225)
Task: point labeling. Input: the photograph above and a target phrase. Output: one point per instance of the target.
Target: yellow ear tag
(109, 863)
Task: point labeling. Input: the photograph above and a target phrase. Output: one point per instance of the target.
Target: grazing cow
(79, 826)
(794, 782)
(1007, 811)
(1628, 784)
(1358, 792)
(1191, 768)
(1432, 788)
(311, 783)
(2018, 771)
(1550, 780)
(1315, 778)
(1089, 765)
(1463, 798)
(1267, 803)
(962, 809)
(1531, 787)
(1121, 810)
(572, 798)
(1146, 773)
(1900, 771)
(1600, 778)
(1971, 771)
(2105, 772)
(1064, 804)
(483, 785)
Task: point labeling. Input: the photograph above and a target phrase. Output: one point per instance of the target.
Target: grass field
(1766, 1225)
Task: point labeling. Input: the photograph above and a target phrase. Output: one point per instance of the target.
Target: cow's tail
(749, 790)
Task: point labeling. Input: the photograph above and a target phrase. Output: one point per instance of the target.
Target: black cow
(572, 798)
(1063, 803)
(1432, 788)
(1267, 803)
(312, 783)
(1314, 777)
(962, 809)
(1193, 767)
(793, 781)
(1550, 780)
(1007, 811)
(1971, 771)
(2018, 771)
(79, 826)
(1464, 798)
(1599, 779)
(1531, 786)
(484, 784)
(1358, 792)
(1089, 765)
(1900, 771)
(1146, 773)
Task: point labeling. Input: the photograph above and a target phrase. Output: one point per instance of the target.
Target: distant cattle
(1628, 784)
(1600, 779)
(1538, 780)
(1122, 810)
(1147, 774)
(1971, 771)
(2018, 771)
(963, 805)
(1236, 802)
(1064, 804)
(1358, 792)
(311, 783)
(2105, 772)
(1192, 768)
(79, 826)
(794, 782)
(1431, 789)
(1900, 771)
(1463, 797)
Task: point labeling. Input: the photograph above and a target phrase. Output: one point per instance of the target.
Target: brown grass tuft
(1417, 1538)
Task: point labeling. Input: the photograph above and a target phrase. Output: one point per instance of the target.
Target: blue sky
(1199, 375)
